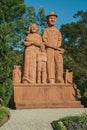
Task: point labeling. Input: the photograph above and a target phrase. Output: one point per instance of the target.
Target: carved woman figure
(32, 43)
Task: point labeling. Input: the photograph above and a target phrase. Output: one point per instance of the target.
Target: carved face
(33, 28)
(51, 20)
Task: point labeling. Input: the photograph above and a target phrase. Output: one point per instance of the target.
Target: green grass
(3, 113)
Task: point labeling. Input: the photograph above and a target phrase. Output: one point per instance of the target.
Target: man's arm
(59, 39)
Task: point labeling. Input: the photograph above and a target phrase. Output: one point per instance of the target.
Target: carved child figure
(17, 74)
(41, 66)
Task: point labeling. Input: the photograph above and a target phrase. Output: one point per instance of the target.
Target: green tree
(15, 17)
(41, 19)
(12, 20)
(75, 44)
(9, 11)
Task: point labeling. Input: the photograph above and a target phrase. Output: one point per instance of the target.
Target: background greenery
(78, 122)
(15, 18)
(3, 113)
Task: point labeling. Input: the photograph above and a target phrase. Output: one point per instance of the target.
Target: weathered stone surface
(16, 74)
(41, 66)
(45, 96)
(32, 45)
(42, 83)
(52, 39)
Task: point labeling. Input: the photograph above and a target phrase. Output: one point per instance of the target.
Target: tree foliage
(75, 44)
(41, 19)
(15, 18)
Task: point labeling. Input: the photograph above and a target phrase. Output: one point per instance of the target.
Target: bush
(6, 89)
(84, 101)
(3, 113)
(71, 123)
(58, 125)
(84, 98)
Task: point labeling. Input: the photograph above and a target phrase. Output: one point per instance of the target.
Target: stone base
(45, 96)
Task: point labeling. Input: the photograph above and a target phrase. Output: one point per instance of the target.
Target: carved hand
(61, 50)
(25, 43)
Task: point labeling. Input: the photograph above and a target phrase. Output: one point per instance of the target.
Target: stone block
(45, 96)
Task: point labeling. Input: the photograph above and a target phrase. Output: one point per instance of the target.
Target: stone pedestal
(45, 96)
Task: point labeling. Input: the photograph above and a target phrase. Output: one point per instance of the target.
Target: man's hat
(51, 14)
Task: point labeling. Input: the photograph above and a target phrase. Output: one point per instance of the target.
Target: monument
(41, 82)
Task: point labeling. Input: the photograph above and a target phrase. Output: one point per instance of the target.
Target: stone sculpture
(43, 60)
(41, 66)
(52, 40)
(32, 45)
(16, 74)
(68, 76)
(43, 83)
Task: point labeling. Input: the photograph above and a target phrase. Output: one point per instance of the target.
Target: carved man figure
(52, 39)
(32, 45)
(41, 66)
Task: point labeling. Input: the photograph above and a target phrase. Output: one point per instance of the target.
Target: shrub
(71, 123)
(58, 125)
(3, 113)
(6, 89)
(84, 98)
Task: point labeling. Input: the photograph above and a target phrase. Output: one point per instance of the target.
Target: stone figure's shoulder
(29, 35)
(46, 29)
(37, 35)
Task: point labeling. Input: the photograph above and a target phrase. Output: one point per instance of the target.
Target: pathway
(37, 119)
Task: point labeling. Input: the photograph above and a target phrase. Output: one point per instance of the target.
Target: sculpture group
(43, 57)
(41, 81)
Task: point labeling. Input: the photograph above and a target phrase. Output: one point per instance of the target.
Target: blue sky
(65, 9)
